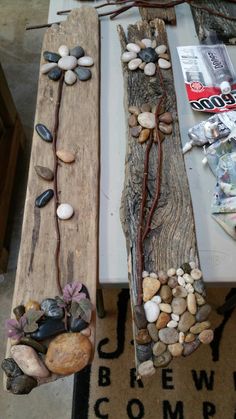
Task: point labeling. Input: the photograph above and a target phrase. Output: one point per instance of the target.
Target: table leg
(100, 304)
(229, 304)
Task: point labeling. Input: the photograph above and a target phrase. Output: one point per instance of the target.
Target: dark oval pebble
(76, 325)
(83, 74)
(51, 309)
(52, 57)
(44, 132)
(190, 347)
(55, 74)
(33, 344)
(11, 368)
(23, 384)
(77, 52)
(144, 352)
(186, 268)
(148, 55)
(48, 328)
(19, 311)
(199, 287)
(203, 313)
(44, 172)
(44, 198)
(162, 360)
(140, 317)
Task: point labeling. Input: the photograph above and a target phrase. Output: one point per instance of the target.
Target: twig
(56, 200)
(44, 25)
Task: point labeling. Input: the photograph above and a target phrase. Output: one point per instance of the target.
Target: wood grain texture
(226, 29)
(78, 183)
(168, 15)
(172, 239)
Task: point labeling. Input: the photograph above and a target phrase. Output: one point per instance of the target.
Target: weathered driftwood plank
(205, 22)
(172, 239)
(167, 14)
(77, 183)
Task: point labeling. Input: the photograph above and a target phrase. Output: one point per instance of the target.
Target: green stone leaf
(33, 316)
(31, 327)
(73, 309)
(84, 310)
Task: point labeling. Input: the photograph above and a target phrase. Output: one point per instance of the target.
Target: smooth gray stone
(148, 55)
(44, 198)
(77, 52)
(190, 347)
(168, 335)
(19, 311)
(144, 352)
(203, 313)
(55, 74)
(153, 332)
(199, 287)
(44, 172)
(44, 133)
(140, 317)
(48, 328)
(52, 57)
(162, 360)
(76, 325)
(83, 74)
(11, 368)
(23, 384)
(51, 309)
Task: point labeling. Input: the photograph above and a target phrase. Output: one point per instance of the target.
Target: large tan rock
(68, 353)
(28, 360)
(150, 288)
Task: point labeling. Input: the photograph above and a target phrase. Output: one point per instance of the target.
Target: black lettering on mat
(176, 412)
(98, 406)
(104, 376)
(135, 409)
(203, 378)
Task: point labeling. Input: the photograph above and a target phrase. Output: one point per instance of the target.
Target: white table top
(216, 249)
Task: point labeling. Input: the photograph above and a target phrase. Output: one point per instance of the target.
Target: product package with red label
(209, 77)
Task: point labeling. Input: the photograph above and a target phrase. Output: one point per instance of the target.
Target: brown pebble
(165, 128)
(134, 110)
(165, 56)
(161, 136)
(162, 320)
(135, 131)
(144, 135)
(142, 65)
(132, 121)
(86, 332)
(65, 156)
(173, 282)
(175, 349)
(189, 338)
(161, 110)
(166, 117)
(166, 294)
(146, 107)
(143, 337)
(163, 277)
(32, 305)
(44, 172)
(206, 336)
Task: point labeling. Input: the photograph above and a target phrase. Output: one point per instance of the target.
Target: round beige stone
(147, 120)
(176, 349)
(206, 336)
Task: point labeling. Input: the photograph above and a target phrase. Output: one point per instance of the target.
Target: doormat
(202, 386)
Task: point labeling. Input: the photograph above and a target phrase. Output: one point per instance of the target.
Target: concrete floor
(19, 57)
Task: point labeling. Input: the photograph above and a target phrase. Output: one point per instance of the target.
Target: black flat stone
(77, 52)
(76, 325)
(48, 328)
(148, 55)
(144, 352)
(83, 74)
(44, 132)
(55, 73)
(11, 368)
(51, 309)
(19, 311)
(23, 384)
(85, 290)
(44, 198)
(52, 57)
(26, 340)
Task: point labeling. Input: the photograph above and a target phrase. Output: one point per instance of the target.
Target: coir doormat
(202, 386)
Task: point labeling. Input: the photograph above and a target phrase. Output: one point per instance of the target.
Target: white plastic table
(216, 249)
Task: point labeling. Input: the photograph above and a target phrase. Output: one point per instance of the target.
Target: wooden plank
(205, 22)
(167, 14)
(172, 239)
(8, 110)
(77, 183)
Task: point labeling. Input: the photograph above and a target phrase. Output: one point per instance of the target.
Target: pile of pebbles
(145, 55)
(73, 62)
(173, 319)
(142, 121)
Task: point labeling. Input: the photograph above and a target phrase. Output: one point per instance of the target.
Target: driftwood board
(204, 21)
(77, 182)
(167, 14)
(172, 239)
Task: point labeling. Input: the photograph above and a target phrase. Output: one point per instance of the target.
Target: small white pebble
(172, 323)
(189, 288)
(181, 281)
(153, 275)
(161, 49)
(175, 317)
(164, 64)
(86, 61)
(154, 43)
(133, 47)
(63, 50)
(196, 274)
(179, 272)
(134, 64)
(128, 56)
(171, 272)
(65, 211)
(156, 299)
(45, 68)
(150, 69)
(192, 264)
(188, 279)
(147, 42)
(181, 337)
(145, 274)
